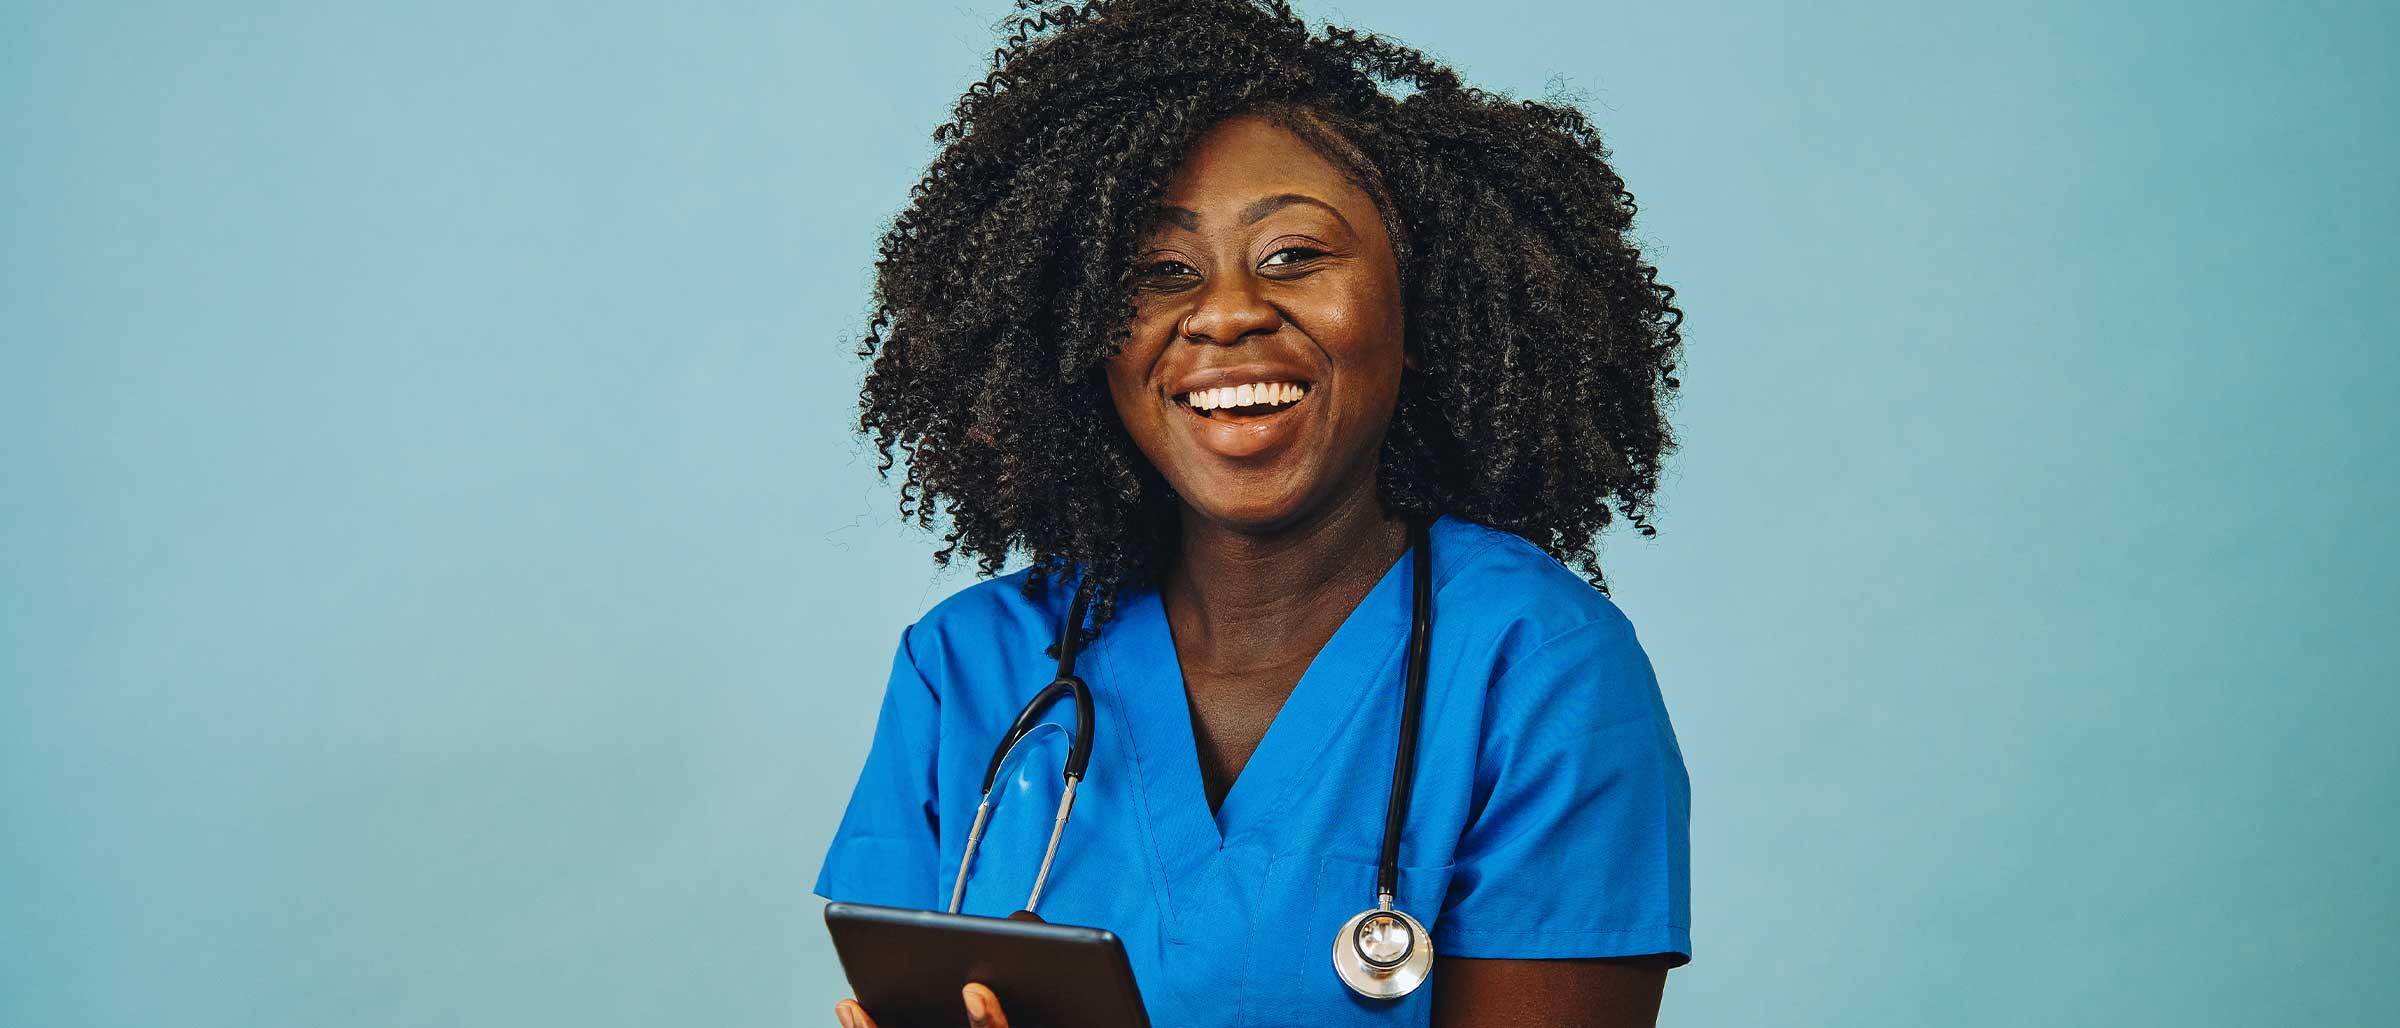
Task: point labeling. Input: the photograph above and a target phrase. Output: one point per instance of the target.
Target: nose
(1229, 309)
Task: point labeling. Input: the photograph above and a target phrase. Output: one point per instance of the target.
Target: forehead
(1249, 156)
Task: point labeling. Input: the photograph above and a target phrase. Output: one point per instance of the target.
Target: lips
(1242, 413)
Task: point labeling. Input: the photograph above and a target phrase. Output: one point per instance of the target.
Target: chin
(1247, 509)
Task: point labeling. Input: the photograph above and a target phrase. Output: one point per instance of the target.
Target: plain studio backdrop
(440, 584)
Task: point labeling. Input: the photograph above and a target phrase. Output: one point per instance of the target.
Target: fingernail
(841, 1012)
(977, 1012)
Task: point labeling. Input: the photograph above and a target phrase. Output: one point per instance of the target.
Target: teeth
(1245, 395)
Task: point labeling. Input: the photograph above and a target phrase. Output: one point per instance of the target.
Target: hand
(983, 1010)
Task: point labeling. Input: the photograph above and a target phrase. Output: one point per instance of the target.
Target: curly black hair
(1546, 346)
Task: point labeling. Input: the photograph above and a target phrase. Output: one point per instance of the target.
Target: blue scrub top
(1550, 816)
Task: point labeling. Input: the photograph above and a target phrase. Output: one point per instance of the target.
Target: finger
(983, 1008)
(851, 1015)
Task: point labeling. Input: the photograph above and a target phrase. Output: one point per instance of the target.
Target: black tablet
(906, 967)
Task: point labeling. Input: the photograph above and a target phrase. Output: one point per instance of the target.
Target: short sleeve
(886, 849)
(1581, 847)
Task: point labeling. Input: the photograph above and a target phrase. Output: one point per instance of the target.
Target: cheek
(1128, 376)
(1364, 340)
(1146, 338)
(1362, 335)
(1122, 380)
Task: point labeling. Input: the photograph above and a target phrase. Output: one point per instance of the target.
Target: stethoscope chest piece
(1383, 954)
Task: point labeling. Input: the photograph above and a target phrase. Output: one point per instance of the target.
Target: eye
(1291, 255)
(1162, 272)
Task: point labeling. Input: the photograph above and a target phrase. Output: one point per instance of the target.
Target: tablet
(906, 967)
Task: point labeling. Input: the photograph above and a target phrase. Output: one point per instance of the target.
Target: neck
(1264, 591)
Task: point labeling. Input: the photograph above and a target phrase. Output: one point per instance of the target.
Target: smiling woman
(1213, 319)
(1267, 274)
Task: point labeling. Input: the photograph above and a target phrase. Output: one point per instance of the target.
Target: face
(1267, 342)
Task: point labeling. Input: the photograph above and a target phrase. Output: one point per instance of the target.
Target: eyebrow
(1189, 220)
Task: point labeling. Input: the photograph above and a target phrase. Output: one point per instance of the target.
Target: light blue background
(438, 585)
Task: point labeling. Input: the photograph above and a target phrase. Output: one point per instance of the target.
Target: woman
(1205, 311)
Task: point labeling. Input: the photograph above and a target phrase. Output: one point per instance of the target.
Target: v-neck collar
(1137, 649)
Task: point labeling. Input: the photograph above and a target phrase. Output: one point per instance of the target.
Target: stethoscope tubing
(1383, 978)
(1079, 751)
(1412, 704)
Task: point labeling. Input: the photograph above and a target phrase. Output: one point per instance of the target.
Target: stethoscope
(1382, 953)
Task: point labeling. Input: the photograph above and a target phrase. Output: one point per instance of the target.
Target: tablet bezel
(906, 968)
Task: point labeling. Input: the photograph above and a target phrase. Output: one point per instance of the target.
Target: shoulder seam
(1620, 623)
(916, 667)
(1458, 566)
(1530, 655)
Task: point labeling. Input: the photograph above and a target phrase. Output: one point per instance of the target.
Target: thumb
(983, 1008)
(851, 1015)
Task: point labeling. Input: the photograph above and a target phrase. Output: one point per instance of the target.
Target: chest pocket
(1291, 983)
